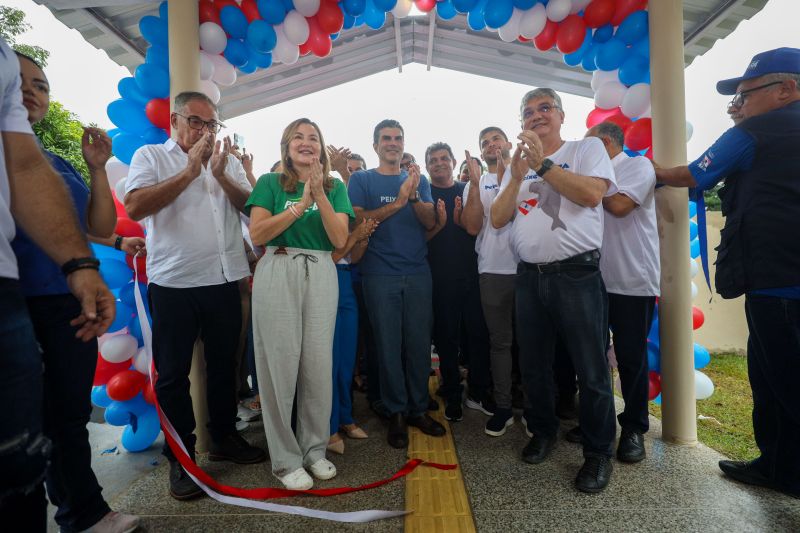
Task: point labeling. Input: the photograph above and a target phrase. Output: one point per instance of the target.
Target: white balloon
(599, 77)
(689, 131)
(402, 8)
(694, 268)
(647, 114)
(210, 89)
(578, 5)
(609, 95)
(533, 21)
(119, 348)
(558, 10)
(694, 290)
(307, 8)
(141, 361)
(119, 188)
(224, 72)
(116, 170)
(212, 38)
(703, 386)
(206, 66)
(284, 51)
(295, 28)
(637, 100)
(510, 30)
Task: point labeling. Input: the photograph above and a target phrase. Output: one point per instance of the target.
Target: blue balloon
(611, 54)
(359, 21)
(135, 330)
(128, 116)
(701, 357)
(260, 60)
(354, 8)
(475, 18)
(100, 396)
(154, 30)
(236, 52)
(466, 6)
(657, 399)
(103, 252)
(694, 248)
(126, 295)
(349, 21)
(163, 10)
(603, 33)
(498, 12)
(155, 135)
(115, 273)
(524, 4)
(633, 28)
(445, 10)
(117, 414)
(642, 47)
(653, 333)
(271, 11)
(385, 5)
(589, 60)
(574, 59)
(153, 80)
(137, 405)
(653, 357)
(124, 145)
(288, 5)
(142, 432)
(158, 55)
(335, 36)
(129, 90)
(692, 209)
(233, 21)
(374, 17)
(261, 36)
(122, 317)
(692, 230)
(113, 131)
(248, 68)
(635, 69)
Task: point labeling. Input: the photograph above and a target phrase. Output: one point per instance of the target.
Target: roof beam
(712, 19)
(431, 30)
(397, 44)
(108, 28)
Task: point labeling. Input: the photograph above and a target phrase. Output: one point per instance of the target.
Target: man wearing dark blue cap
(760, 159)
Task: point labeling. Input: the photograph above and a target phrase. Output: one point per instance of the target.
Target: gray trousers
(497, 299)
(294, 313)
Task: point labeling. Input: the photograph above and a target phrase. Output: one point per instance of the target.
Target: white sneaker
(323, 469)
(246, 415)
(115, 522)
(297, 480)
(241, 425)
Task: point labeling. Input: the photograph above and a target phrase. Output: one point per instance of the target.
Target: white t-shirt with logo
(493, 245)
(548, 227)
(630, 259)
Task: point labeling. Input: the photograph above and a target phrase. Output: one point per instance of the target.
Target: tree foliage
(12, 25)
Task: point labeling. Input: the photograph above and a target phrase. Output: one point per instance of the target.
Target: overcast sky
(439, 105)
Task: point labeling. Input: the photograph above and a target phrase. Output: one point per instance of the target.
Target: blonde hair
(289, 175)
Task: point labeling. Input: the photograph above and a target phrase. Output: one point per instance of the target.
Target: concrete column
(669, 149)
(184, 75)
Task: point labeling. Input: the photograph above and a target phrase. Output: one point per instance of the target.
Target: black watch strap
(547, 164)
(415, 198)
(78, 263)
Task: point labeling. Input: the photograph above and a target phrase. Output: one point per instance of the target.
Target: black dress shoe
(537, 449)
(235, 449)
(398, 431)
(631, 447)
(574, 435)
(594, 474)
(427, 425)
(748, 472)
(181, 486)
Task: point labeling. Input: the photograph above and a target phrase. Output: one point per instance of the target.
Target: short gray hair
(611, 131)
(541, 92)
(784, 76)
(187, 96)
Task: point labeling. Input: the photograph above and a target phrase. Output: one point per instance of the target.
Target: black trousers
(629, 318)
(214, 313)
(773, 363)
(454, 299)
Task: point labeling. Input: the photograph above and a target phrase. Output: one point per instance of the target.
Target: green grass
(725, 419)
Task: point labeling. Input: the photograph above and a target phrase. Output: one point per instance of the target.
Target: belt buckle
(539, 268)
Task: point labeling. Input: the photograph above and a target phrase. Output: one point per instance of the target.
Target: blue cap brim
(728, 86)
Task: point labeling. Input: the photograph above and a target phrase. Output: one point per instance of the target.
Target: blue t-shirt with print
(398, 247)
(38, 274)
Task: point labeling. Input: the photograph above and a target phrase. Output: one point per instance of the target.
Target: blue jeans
(571, 306)
(23, 447)
(773, 364)
(345, 339)
(401, 314)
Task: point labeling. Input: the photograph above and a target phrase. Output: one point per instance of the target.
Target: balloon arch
(609, 38)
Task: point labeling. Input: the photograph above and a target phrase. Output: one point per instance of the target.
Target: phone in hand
(238, 140)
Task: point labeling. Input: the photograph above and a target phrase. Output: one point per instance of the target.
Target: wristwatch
(547, 164)
(415, 198)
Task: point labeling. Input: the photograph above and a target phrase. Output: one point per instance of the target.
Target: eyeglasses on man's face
(739, 98)
(197, 123)
(544, 109)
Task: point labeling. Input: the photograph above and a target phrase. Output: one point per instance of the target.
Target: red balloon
(548, 36)
(620, 120)
(649, 153)
(598, 115)
(319, 42)
(149, 393)
(157, 110)
(655, 385)
(598, 13)
(571, 33)
(625, 8)
(219, 4)
(128, 228)
(523, 39)
(330, 17)
(305, 48)
(698, 318)
(140, 264)
(250, 10)
(639, 135)
(119, 207)
(425, 5)
(125, 385)
(208, 13)
(105, 370)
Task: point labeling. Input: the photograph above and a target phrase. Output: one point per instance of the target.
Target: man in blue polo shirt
(760, 162)
(397, 280)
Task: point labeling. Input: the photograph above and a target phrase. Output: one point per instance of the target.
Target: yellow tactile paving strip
(438, 498)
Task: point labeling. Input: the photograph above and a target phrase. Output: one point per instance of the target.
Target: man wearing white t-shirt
(553, 193)
(631, 271)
